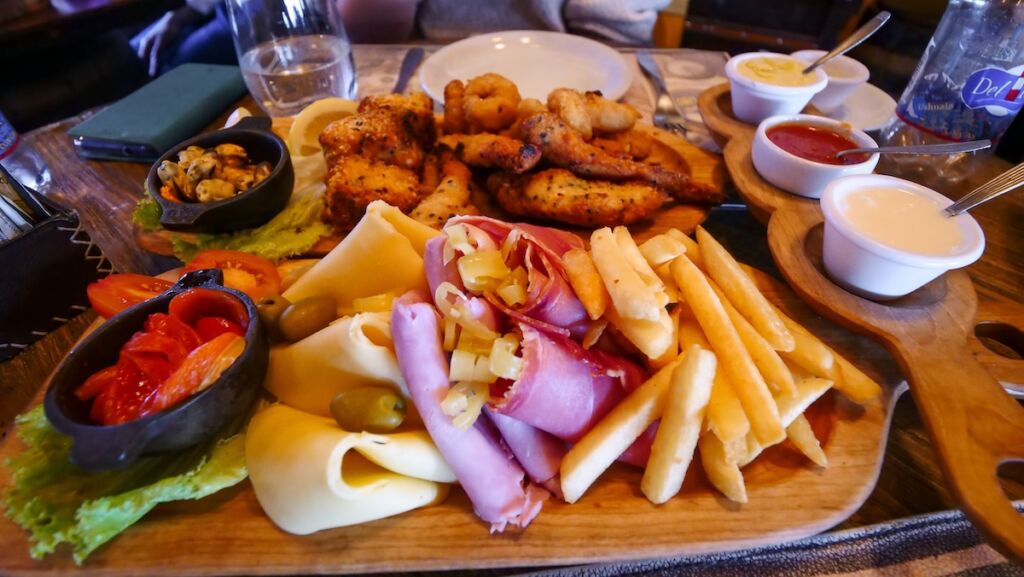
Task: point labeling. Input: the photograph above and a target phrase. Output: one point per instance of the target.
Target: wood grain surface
(789, 498)
(973, 422)
(910, 482)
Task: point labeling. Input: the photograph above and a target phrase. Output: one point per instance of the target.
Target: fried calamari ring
(490, 103)
(454, 117)
(571, 107)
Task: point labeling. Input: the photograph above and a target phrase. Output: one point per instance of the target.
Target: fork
(998, 186)
(666, 112)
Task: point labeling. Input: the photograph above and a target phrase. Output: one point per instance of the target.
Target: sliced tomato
(97, 383)
(210, 328)
(202, 367)
(249, 273)
(119, 291)
(196, 303)
(127, 397)
(174, 328)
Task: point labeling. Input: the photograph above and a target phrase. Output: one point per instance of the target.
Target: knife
(410, 63)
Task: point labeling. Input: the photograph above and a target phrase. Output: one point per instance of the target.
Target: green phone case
(169, 109)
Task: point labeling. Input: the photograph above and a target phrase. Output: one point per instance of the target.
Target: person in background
(200, 32)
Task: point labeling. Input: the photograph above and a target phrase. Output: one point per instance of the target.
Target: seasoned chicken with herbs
(492, 151)
(353, 182)
(450, 198)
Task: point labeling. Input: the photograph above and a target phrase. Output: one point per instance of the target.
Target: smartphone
(102, 149)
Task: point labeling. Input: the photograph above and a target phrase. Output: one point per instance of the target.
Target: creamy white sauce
(903, 220)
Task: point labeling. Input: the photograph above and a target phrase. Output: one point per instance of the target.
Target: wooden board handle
(975, 426)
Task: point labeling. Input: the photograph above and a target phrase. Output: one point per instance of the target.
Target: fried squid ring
(490, 103)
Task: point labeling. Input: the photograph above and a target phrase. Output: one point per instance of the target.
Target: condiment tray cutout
(932, 333)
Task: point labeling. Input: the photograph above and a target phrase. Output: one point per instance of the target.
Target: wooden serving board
(670, 150)
(974, 424)
(789, 498)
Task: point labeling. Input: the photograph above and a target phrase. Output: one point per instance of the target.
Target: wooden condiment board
(974, 424)
(789, 498)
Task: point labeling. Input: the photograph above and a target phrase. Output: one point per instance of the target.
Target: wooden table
(911, 483)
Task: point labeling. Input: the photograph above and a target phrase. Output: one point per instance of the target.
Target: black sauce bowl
(245, 210)
(192, 421)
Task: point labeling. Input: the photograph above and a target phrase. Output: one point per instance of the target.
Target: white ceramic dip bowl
(844, 75)
(754, 100)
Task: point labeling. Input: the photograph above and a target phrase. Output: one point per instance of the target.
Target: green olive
(270, 309)
(306, 316)
(372, 409)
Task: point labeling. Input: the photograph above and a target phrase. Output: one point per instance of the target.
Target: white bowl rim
(764, 88)
(971, 252)
(863, 73)
(859, 135)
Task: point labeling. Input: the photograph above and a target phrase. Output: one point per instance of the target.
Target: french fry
(743, 293)
(636, 260)
(802, 436)
(808, 353)
(586, 283)
(692, 250)
(790, 408)
(725, 416)
(724, 474)
(630, 295)
(733, 357)
(685, 404)
(768, 361)
(594, 333)
(854, 384)
(673, 350)
(661, 249)
(664, 272)
(613, 434)
(652, 338)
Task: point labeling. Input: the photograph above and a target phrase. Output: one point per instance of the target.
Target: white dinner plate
(867, 108)
(538, 62)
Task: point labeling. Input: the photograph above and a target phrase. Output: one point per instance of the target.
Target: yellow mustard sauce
(777, 70)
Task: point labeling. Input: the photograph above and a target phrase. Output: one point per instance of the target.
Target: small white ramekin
(844, 75)
(877, 271)
(753, 100)
(799, 175)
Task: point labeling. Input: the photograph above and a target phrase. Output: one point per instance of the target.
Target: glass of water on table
(292, 52)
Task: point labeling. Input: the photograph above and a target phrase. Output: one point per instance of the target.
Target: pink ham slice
(550, 302)
(492, 480)
(564, 389)
(539, 453)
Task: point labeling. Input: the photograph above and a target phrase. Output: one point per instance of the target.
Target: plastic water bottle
(968, 85)
(21, 160)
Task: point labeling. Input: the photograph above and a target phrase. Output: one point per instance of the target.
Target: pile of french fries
(734, 374)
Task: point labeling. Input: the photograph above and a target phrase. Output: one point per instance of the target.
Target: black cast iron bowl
(245, 210)
(194, 420)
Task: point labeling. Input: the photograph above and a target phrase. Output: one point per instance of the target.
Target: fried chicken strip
(450, 198)
(564, 147)
(635, 144)
(558, 194)
(390, 128)
(492, 151)
(353, 182)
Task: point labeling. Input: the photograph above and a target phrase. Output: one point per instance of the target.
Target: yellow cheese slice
(383, 253)
(309, 475)
(350, 352)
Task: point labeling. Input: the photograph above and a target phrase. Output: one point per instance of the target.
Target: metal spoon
(1008, 181)
(949, 148)
(853, 40)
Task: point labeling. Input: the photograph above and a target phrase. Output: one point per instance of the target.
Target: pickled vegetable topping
(174, 356)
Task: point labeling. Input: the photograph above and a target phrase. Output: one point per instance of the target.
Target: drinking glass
(292, 52)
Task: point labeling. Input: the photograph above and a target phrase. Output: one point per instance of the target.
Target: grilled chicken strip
(558, 194)
(492, 151)
(353, 182)
(563, 146)
(450, 198)
(393, 129)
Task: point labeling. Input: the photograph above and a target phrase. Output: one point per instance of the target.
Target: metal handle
(410, 63)
(948, 148)
(1008, 181)
(647, 63)
(853, 40)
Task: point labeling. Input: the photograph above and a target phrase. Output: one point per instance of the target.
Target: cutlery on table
(1008, 181)
(410, 63)
(946, 148)
(667, 114)
(27, 195)
(852, 41)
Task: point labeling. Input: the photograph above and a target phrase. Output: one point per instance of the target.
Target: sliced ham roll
(551, 301)
(492, 480)
(539, 453)
(565, 389)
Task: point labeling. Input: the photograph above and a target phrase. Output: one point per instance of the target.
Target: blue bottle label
(999, 92)
(8, 137)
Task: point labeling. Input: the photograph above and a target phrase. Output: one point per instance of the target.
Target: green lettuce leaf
(57, 502)
(291, 232)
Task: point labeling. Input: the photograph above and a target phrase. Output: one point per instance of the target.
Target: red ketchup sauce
(814, 143)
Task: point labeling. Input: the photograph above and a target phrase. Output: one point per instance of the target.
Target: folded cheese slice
(351, 352)
(309, 475)
(383, 253)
